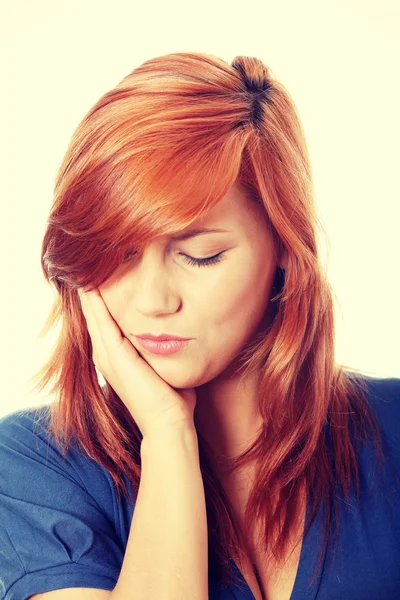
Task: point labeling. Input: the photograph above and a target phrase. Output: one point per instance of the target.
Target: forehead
(234, 210)
(235, 214)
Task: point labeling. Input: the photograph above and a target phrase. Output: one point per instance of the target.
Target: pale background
(338, 59)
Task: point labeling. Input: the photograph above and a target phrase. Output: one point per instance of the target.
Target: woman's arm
(167, 554)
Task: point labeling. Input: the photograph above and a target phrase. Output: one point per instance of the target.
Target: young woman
(242, 461)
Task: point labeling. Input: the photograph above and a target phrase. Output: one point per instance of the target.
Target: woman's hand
(154, 405)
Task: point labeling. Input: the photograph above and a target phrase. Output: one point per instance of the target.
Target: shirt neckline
(309, 556)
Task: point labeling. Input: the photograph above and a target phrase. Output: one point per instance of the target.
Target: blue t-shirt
(61, 525)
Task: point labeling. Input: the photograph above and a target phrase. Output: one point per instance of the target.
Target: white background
(338, 59)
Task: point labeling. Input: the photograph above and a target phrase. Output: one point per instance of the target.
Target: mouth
(163, 337)
(162, 347)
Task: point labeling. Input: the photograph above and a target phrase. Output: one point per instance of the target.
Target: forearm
(167, 555)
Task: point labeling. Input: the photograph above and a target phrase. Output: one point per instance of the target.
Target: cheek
(241, 299)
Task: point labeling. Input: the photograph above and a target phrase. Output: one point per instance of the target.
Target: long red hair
(153, 155)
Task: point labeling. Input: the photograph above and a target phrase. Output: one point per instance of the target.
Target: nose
(154, 291)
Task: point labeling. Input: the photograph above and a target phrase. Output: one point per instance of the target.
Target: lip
(162, 347)
(163, 337)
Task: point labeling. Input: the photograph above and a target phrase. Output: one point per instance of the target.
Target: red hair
(153, 155)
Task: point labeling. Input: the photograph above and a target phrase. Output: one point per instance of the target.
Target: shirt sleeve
(53, 533)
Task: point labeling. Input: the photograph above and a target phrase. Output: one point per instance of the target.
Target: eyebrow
(193, 232)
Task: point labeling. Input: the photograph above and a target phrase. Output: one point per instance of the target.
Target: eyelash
(203, 262)
(198, 262)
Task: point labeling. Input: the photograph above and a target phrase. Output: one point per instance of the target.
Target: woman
(243, 462)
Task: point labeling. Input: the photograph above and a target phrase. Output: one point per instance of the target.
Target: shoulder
(383, 396)
(22, 438)
(26, 443)
(383, 400)
(364, 561)
(28, 451)
(59, 526)
(24, 424)
(384, 391)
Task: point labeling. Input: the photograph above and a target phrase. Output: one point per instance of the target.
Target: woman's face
(219, 306)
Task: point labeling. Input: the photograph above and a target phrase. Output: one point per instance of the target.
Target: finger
(104, 327)
(83, 300)
(91, 326)
(88, 313)
(112, 348)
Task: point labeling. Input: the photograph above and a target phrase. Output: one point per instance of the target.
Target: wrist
(183, 432)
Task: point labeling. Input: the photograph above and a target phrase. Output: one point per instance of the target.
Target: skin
(220, 306)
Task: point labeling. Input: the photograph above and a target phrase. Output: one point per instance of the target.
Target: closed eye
(204, 262)
(191, 260)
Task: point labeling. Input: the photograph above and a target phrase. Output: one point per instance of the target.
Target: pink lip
(160, 338)
(162, 347)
